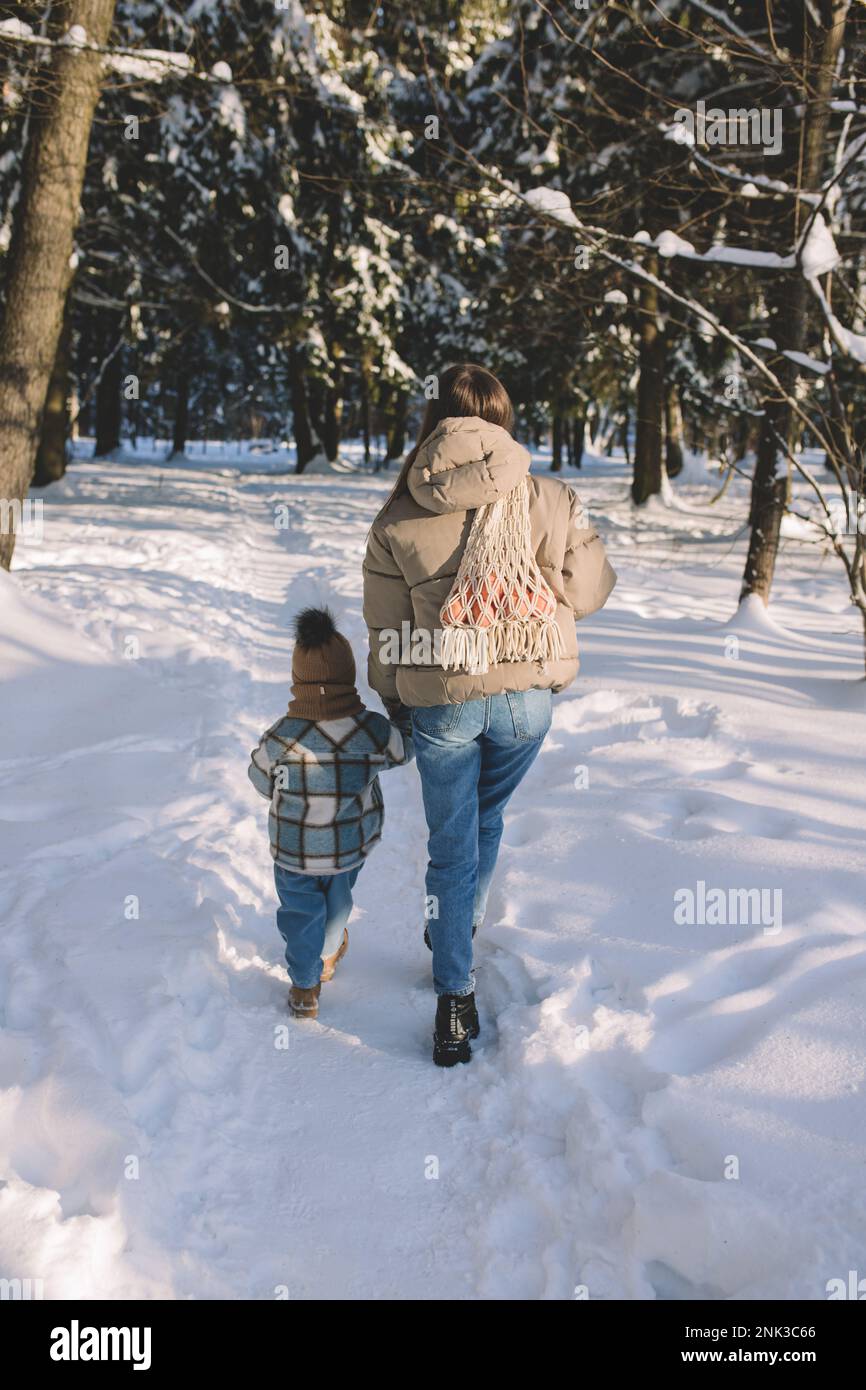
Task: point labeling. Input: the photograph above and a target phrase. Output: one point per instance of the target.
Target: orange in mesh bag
(492, 601)
(500, 607)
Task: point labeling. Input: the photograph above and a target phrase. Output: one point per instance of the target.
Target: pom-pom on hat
(323, 669)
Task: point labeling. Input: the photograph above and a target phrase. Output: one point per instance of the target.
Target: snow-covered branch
(148, 64)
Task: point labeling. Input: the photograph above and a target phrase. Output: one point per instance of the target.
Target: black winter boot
(456, 1024)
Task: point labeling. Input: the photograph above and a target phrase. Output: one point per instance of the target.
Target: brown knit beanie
(323, 669)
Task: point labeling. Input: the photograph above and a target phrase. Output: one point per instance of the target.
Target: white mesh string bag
(500, 607)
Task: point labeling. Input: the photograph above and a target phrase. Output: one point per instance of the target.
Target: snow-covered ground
(654, 1110)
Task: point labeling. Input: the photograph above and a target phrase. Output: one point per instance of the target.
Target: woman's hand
(399, 714)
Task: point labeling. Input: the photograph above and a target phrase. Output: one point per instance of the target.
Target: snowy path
(165, 1130)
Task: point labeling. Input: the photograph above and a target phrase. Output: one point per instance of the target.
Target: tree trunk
(365, 415)
(769, 486)
(673, 432)
(109, 411)
(51, 454)
(780, 426)
(607, 435)
(331, 424)
(650, 396)
(556, 444)
(39, 261)
(180, 427)
(305, 440)
(742, 436)
(315, 403)
(578, 436)
(134, 421)
(840, 434)
(623, 438)
(397, 436)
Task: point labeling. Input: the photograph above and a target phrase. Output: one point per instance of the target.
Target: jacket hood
(464, 464)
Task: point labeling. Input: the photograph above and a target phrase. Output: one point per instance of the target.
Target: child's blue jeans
(311, 916)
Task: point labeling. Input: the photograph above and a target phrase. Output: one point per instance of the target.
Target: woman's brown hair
(464, 390)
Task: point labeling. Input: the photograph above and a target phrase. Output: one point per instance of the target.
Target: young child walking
(318, 766)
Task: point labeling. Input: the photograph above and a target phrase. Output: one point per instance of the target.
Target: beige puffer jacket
(414, 550)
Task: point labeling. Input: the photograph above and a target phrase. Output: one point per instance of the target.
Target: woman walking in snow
(474, 575)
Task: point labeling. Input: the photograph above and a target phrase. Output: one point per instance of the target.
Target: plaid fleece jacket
(321, 780)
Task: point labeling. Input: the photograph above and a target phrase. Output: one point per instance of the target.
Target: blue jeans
(311, 917)
(471, 757)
